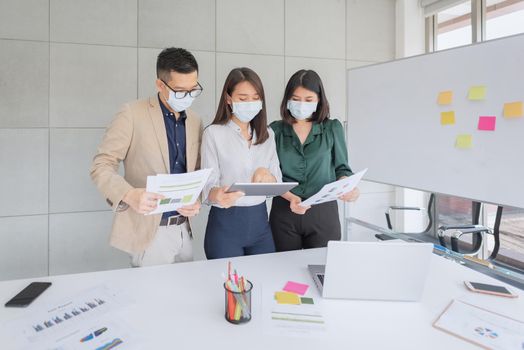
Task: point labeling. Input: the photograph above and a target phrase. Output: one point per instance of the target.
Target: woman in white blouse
(239, 147)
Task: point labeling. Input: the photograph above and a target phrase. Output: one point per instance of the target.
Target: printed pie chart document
(332, 191)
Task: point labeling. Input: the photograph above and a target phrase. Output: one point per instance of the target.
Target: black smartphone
(28, 294)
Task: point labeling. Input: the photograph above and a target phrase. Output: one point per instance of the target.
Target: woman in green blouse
(312, 151)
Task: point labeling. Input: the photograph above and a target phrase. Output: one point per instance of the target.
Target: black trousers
(314, 229)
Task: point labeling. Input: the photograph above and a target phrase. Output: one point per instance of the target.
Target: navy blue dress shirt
(176, 141)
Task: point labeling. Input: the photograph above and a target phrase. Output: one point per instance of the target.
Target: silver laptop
(373, 270)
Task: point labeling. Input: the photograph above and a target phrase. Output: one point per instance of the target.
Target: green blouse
(323, 158)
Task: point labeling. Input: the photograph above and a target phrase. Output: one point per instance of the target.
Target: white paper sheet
(102, 333)
(303, 320)
(482, 327)
(65, 323)
(178, 189)
(332, 191)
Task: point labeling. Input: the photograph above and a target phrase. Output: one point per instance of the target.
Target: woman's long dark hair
(310, 80)
(224, 112)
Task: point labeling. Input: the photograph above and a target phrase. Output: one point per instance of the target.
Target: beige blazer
(137, 137)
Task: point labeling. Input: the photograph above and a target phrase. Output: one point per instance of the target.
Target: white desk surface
(182, 305)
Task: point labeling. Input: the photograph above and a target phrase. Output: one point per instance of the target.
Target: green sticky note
(306, 300)
(165, 201)
(477, 93)
(464, 141)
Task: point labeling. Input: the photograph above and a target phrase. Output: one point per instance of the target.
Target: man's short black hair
(175, 59)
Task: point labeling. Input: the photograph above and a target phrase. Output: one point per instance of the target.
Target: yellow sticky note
(287, 298)
(464, 141)
(513, 110)
(445, 97)
(477, 93)
(447, 118)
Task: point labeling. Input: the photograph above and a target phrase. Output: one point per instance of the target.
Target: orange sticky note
(513, 110)
(477, 93)
(447, 118)
(464, 141)
(445, 97)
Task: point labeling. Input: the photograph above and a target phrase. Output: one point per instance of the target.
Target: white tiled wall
(66, 66)
(24, 160)
(24, 247)
(88, 83)
(94, 22)
(251, 26)
(70, 187)
(24, 83)
(317, 28)
(373, 20)
(78, 242)
(184, 23)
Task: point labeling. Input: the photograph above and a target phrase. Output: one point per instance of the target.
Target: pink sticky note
(295, 287)
(487, 123)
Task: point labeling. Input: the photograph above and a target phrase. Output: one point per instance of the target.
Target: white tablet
(263, 189)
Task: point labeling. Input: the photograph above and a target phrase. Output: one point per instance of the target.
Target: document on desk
(332, 191)
(481, 327)
(297, 319)
(178, 189)
(102, 333)
(83, 321)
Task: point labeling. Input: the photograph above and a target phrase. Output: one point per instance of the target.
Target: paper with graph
(86, 320)
(178, 189)
(332, 191)
(482, 327)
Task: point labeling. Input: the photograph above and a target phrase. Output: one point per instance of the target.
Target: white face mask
(301, 110)
(246, 111)
(179, 104)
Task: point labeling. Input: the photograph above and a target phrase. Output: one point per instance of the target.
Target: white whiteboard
(394, 122)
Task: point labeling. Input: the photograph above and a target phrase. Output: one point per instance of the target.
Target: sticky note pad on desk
(487, 123)
(477, 93)
(307, 300)
(295, 287)
(513, 110)
(447, 118)
(287, 298)
(463, 141)
(445, 97)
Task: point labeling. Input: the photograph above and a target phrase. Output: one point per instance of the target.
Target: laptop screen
(321, 278)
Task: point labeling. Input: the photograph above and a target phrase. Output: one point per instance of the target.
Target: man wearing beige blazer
(158, 135)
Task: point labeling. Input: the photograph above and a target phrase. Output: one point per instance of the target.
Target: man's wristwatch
(122, 206)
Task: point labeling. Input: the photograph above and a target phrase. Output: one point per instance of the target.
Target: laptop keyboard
(321, 278)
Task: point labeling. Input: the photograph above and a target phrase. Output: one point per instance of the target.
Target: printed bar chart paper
(178, 189)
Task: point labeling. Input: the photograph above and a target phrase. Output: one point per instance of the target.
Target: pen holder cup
(238, 303)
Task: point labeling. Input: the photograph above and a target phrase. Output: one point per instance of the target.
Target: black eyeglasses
(181, 94)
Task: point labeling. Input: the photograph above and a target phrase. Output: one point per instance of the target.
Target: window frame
(478, 25)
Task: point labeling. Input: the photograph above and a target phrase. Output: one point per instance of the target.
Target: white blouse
(225, 150)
